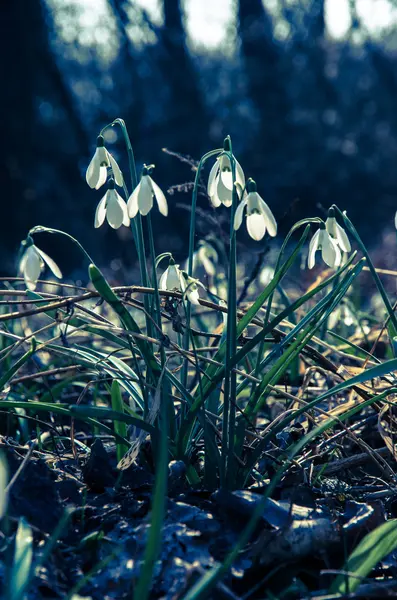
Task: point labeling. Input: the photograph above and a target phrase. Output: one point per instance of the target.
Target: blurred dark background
(309, 96)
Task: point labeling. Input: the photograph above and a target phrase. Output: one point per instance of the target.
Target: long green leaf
(17, 365)
(19, 573)
(370, 551)
(153, 543)
(119, 426)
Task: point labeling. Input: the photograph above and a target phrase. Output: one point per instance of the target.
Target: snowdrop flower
(330, 251)
(337, 232)
(190, 287)
(171, 278)
(342, 314)
(33, 262)
(207, 256)
(266, 275)
(97, 171)
(259, 216)
(142, 197)
(113, 207)
(220, 180)
(174, 279)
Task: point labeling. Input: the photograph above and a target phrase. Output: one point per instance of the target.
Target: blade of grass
(119, 426)
(19, 573)
(370, 551)
(153, 543)
(18, 364)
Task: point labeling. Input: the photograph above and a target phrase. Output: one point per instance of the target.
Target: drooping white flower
(141, 198)
(207, 256)
(97, 170)
(113, 207)
(32, 264)
(266, 275)
(330, 251)
(220, 181)
(337, 232)
(342, 314)
(190, 287)
(174, 279)
(171, 278)
(259, 216)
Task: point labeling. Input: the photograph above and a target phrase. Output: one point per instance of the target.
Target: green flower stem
(192, 233)
(42, 229)
(372, 269)
(269, 304)
(192, 230)
(229, 401)
(136, 225)
(157, 315)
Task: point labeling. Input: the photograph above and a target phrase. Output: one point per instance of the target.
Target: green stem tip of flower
(100, 141)
(331, 213)
(147, 170)
(227, 144)
(28, 242)
(251, 186)
(321, 225)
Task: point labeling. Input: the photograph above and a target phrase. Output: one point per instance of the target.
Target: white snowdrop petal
(208, 266)
(118, 176)
(256, 226)
(313, 246)
(395, 220)
(223, 193)
(174, 280)
(51, 263)
(132, 204)
(33, 267)
(145, 196)
(328, 251)
(93, 173)
(342, 239)
(193, 295)
(123, 206)
(240, 177)
(334, 318)
(271, 224)
(212, 178)
(22, 262)
(238, 216)
(160, 197)
(100, 212)
(114, 211)
(31, 285)
(163, 281)
(103, 175)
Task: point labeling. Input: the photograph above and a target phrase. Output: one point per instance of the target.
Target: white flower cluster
(332, 240)
(174, 279)
(33, 263)
(226, 177)
(112, 206)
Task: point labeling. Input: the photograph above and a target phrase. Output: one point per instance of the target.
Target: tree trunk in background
(125, 72)
(263, 69)
(21, 33)
(185, 108)
(28, 153)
